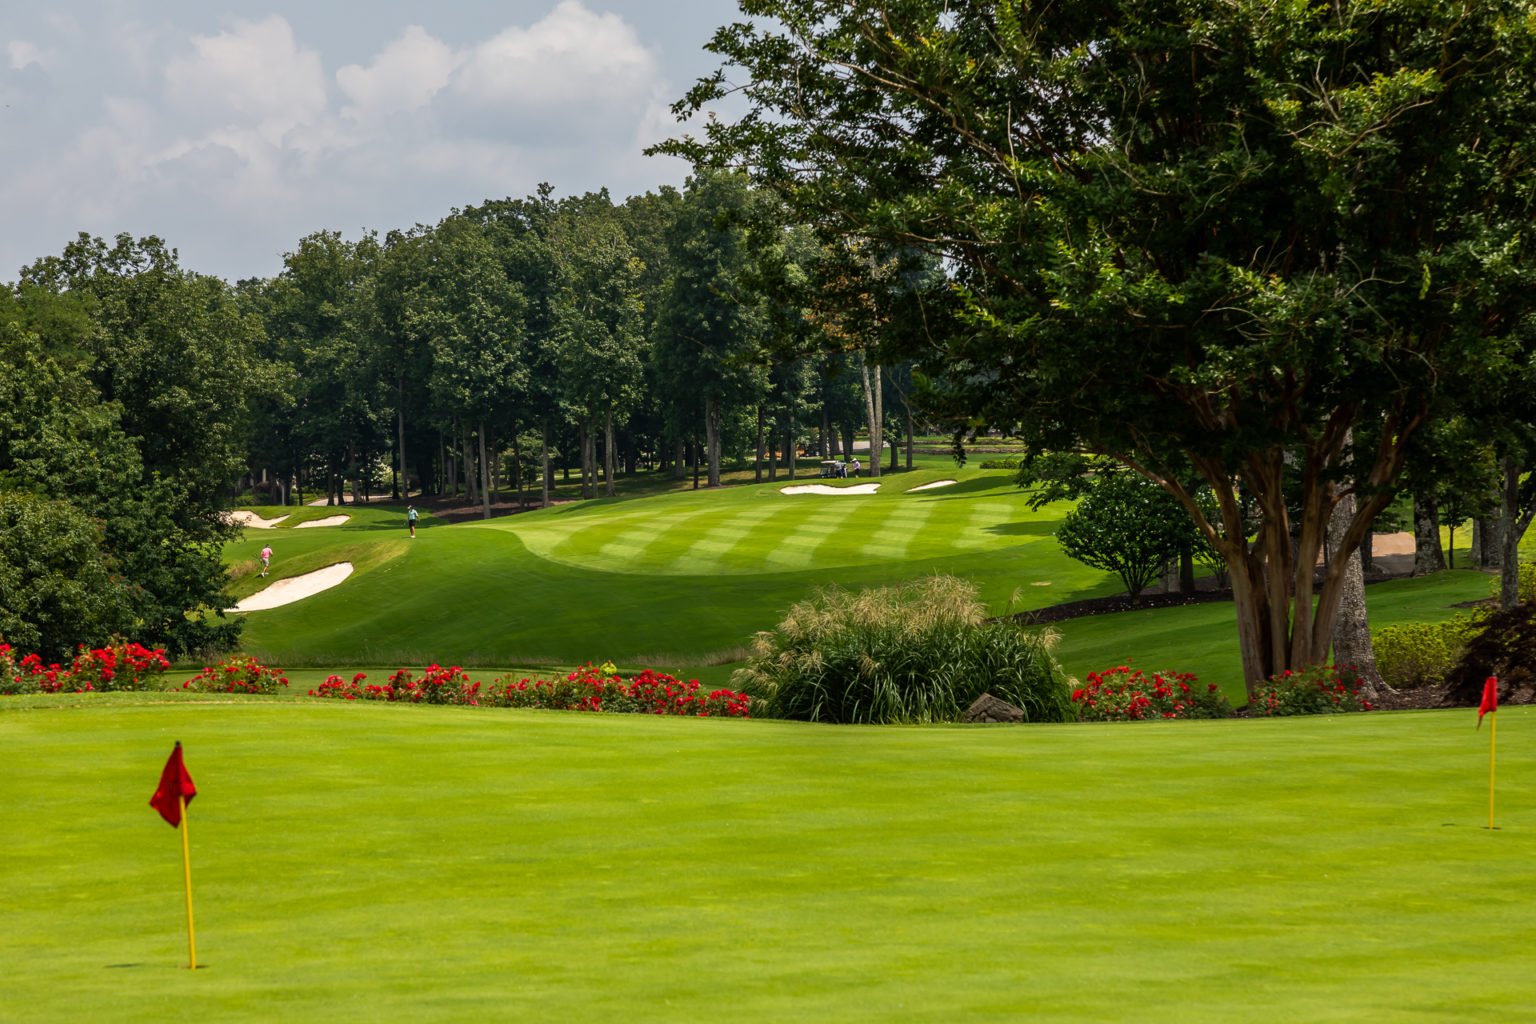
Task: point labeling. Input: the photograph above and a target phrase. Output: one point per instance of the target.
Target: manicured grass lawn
(676, 580)
(417, 864)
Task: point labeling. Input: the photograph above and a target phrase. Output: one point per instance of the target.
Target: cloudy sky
(232, 129)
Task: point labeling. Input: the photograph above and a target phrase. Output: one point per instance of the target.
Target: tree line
(676, 331)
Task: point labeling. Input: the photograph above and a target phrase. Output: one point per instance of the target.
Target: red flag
(175, 783)
(1490, 699)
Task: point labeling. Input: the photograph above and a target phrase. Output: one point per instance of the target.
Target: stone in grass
(988, 708)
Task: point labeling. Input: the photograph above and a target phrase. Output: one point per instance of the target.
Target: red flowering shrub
(590, 689)
(1315, 690)
(1123, 694)
(10, 675)
(586, 689)
(240, 674)
(121, 665)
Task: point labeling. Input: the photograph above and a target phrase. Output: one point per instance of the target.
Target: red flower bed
(586, 689)
(121, 665)
(1123, 694)
(238, 675)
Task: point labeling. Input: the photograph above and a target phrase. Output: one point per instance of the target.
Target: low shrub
(1008, 462)
(1315, 690)
(1527, 586)
(1123, 694)
(920, 652)
(1421, 653)
(239, 674)
(120, 665)
(586, 689)
(1503, 645)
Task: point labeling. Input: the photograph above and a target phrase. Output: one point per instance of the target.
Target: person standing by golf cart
(410, 519)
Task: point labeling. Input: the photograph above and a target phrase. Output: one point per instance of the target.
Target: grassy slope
(679, 578)
(387, 863)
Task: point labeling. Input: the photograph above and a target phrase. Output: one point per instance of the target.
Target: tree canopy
(1207, 239)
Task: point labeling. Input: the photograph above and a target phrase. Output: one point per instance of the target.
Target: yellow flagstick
(1493, 735)
(186, 864)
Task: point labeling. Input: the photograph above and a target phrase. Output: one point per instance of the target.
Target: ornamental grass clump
(919, 652)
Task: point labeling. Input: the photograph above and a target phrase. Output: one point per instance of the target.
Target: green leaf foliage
(920, 652)
(1128, 526)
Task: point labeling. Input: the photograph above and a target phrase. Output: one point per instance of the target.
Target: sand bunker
(242, 517)
(295, 588)
(824, 489)
(929, 487)
(327, 521)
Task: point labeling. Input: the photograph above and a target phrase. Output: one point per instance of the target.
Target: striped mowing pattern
(764, 531)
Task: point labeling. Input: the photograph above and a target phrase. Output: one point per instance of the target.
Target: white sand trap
(243, 517)
(295, 588)
(327, 521)
(929, 487)
(824, 489)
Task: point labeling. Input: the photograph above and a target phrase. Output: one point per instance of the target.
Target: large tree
(1198, 234)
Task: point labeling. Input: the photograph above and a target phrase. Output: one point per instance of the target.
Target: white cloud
(255, 74)
(402, 78)
(24, 53)
(570, 58)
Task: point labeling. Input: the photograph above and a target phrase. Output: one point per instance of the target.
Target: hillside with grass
(681, 579)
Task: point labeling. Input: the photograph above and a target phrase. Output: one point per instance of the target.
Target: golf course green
(366, 861)
(412, 863)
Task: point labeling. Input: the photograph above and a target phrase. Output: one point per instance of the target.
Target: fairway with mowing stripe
(673, 580)
(760, 530)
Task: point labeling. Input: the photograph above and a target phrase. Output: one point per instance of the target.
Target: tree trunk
(757, 466)
(697, 461)
(1428, 555)
(610, 455)
(1514, 523)
(405, 477)
(1351, 627)
(712, 415)
(517, 470)
(910, 432)
(679, 457)
(791, 449)
(875, 411)
(545, 469)
(485, 475)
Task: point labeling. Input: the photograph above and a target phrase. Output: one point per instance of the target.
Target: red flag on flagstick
(175, 784)
(1490, 699)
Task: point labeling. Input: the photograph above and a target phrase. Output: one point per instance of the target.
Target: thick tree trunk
(1351, 627)
(679, 458)
(1428, 554)
(1514, 522)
